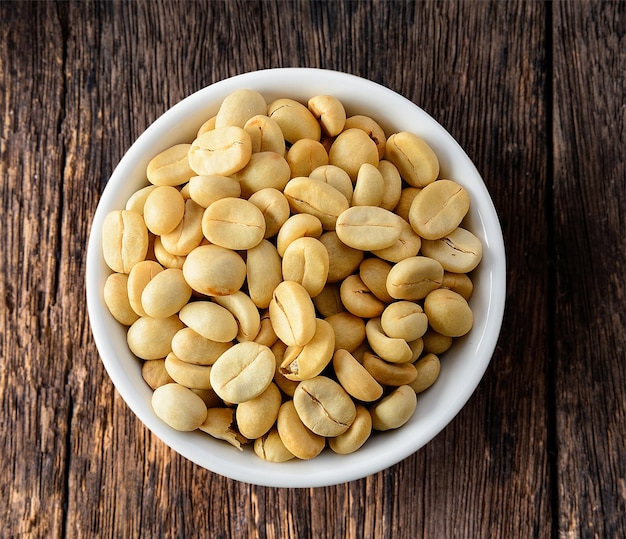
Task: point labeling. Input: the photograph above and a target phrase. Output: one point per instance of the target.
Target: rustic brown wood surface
(535, 93)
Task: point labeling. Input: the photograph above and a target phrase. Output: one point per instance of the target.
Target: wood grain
(590, 240)
(535, 94)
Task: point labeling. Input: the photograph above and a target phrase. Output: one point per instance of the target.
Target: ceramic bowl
(463, 366)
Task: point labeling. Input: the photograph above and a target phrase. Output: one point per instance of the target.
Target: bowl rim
(220, 457)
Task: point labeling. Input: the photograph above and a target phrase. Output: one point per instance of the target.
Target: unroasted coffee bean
(124, 240)
(394, 410)
(243, 372)
(292, 314)
(413, 278)
(448, 313)
(179, 407)
(222, 151)
(368, 228)
(324, 406)
(233, 223)
(356, 435)
(417, 163)
(459, 252)
(299, 440)
(438, 209)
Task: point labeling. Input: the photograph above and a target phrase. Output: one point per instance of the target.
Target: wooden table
(533, 91)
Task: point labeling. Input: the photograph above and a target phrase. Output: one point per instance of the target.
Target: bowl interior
(462, 367)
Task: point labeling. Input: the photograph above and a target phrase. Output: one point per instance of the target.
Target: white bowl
(462, 367)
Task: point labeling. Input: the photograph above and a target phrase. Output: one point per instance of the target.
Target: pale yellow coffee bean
(369, 188)
(188, 374)
(448, 313)
(274, 207)
(306, 155)
(306, 261)
(214, 270)
(286, 386)
(257, 416)
(238, 107)
(404, 320)
(459, 283)
(403, 206)
(414, 277)
(330, 112)
(371, 128)
(408, 245)
(357, 434)
(190, 346)
(210, 320)
(124, 240)
(265, 169)
(265, 134)
(266, 334)
(294, 119)
(351, 149)
(297, 226)
(219, 423)
(305, 362)
(394, 410)
(264, 272)
(307, 195)
(163, 210)
(243, 372)
(233, 223)
(188, 234)
(184, 191)
(137, 200)
(393, 184)
(164, 257)
(343, 260)
(336, 177)
(204, 190)
(391, 349)
(428, 368)
(165, 294)
(299, 440)
(358, 299)
(245, 312)
(438, 209)
(209, 397)
(271, 448)
(373, 272)
(328, 301)
(208, 125)
(389, 374)
(368, 228)
(459, 252)
(414, 158)
(151, 338)
(222, 151)
(417, 347)
(154, 374)
(435, 343)
(355, 378)
(115, 296)
(349, 330)
(324, 406)
(171, 166)
(292, 314)
(179, 407)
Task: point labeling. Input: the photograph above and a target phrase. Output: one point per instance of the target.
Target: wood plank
(34, 395)
(590, 261)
